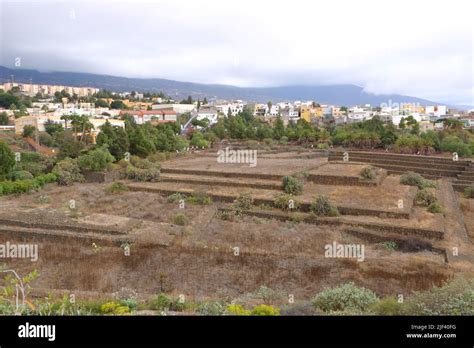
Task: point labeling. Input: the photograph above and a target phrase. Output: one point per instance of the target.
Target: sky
(418, 48)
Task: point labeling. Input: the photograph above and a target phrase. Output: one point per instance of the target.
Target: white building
(436, 110)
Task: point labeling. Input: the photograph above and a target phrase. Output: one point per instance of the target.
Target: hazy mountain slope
(334, 94)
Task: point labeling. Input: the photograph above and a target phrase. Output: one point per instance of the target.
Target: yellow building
(305, 113)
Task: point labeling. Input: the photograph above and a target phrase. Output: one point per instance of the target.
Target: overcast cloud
(417, 48)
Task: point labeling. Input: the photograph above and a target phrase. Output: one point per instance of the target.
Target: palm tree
(65, 118)
(86, 126)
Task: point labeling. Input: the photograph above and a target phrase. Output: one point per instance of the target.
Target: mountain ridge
(341, 94)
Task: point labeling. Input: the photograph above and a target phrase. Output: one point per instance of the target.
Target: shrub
(282, 201)
(7, 159)
(322, 206)
(68, 172)
(368, 173)
(226, 215)
(292, 185)
(211, 308)
(425, 197)
(415, 179)
(469, 192)
(161, 302)
(387, 306)
(244, 201)
(454, 298)
(345, 297)
(435, 208)
(452, 143)
(114, 308)
(391, 245)
(117, 187)
(25, 186)
(236, 309)
(157, 157)
(298, 309)
(284, 140)
(180, 219)
(268, 141)
(142, 170)
(175, 197)
(96, 160)
(199, 198)
(198, 140)
(22, 175)
(265, 310)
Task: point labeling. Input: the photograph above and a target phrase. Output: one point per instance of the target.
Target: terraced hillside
(189, 233)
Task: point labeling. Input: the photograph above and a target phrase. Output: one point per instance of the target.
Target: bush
(117, 187)
(454, 298)
(299, 309)
(322, 206)
(284, 140)
(161, 302)
(292, 185)
(345, 297)
(282, 201)
(180, 220)
(390, 245)
(199, 198)
(114, 308)
(198, 140)
(368, 173)
(435, 208)
(7, 160)
(211, 308)
(175, 197)
(387, 306)
(236, 309)
(157, 157)
(452, 143)
(22, 175)
(244, 201)
(425, 197)
(469, 192)
(96, 160)
(25, 186)
(142, 170)
(68, 172)
(268, 141)
(415, 179)
(265, 310)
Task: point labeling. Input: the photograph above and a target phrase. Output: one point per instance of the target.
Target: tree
(278, 128)
(68, 144)
(140, 142)
(189, 100)
(28, 131)
(96, 160)
(52, 127)
(269, 104)
(118, 104)
(402, 124)
(3, 118)
(7, 100)
(7, 160)
(115, 138)
(101, 103)
(86, 126)
(65, 118)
